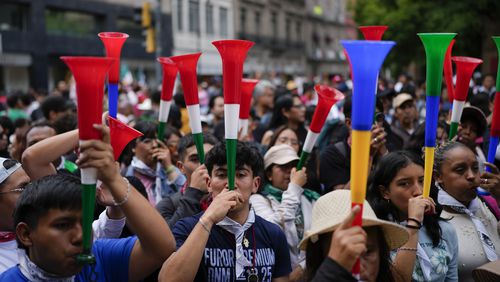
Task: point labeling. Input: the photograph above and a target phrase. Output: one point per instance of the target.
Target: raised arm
(37, 159)
(154, 245)
(184, 264)
(286, 210)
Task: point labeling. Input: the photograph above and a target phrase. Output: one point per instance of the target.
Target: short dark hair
(281, 102)
(53, 104)
(245, 155)
(188, 141)
(156, 97)
(148, 128)
(169, 131)
(211, 102)
(58, 191)
(13, 99)
(347, 109)
(65, 122)
(42, 123)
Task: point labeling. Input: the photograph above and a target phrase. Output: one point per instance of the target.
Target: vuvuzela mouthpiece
(374, 32)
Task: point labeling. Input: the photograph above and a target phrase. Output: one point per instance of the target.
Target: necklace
(253, 273)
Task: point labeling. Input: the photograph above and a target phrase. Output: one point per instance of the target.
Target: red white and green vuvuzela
(187, 69)
(495, 121)
(233, 54)
(247, 86)
(373, 32)
(113, 42)
(327, 97)
(448, 72)
(465, 68)
(169, 74)
(90, 74)
(120, 135)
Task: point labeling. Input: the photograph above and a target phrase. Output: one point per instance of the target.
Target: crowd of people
(161, 215)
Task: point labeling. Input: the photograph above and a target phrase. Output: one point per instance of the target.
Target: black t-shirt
(218, 262)
(335, 165)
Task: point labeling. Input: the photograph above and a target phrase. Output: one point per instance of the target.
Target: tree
(470, 19)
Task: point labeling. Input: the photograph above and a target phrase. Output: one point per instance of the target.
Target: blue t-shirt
(218, 263)
(112, 260)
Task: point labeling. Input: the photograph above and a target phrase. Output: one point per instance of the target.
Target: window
(274, 23)
(223, 21)
(288, 29)
(336, 11)
(298, 30)
(130, 27)
(179, 15)
(210, 18)
(257, 23)
(14, 17)
(243, 19)
(194, 16)
(61, 22)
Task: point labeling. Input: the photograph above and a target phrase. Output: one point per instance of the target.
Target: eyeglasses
(16, 190)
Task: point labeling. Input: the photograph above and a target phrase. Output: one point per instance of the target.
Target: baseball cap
(400, 99)
(280, 155)
(7, 167)
(475, 114)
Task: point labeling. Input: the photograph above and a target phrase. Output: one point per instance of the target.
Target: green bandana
(70, 166)
(270, 190)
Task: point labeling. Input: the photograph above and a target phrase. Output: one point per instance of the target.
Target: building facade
(196, 23)
(35, 33)
(294, 37)
(277, 28)
(328, 22)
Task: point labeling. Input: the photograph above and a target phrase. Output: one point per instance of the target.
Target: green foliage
(468, 18)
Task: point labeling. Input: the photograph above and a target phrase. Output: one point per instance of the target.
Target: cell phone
(379, 118)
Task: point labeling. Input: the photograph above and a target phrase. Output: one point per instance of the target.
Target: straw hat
(331, 210)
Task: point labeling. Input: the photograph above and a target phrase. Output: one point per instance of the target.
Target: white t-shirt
(8, 255)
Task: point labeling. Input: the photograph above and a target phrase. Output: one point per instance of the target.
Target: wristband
(412, 227)
(407, 249)
(126, 196)
(416, 221)
(203, 225)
